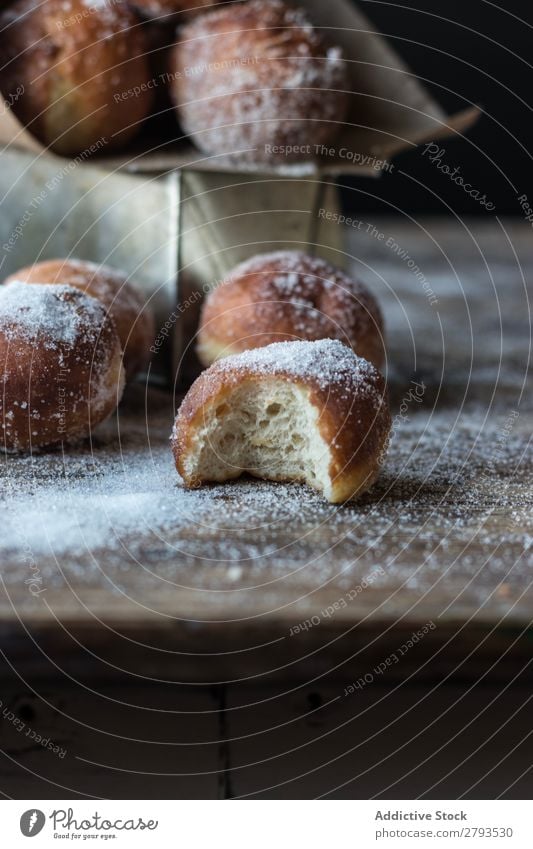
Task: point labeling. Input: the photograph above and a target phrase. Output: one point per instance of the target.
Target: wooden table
(249, 637)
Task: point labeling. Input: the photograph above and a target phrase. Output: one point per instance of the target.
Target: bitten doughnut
(132, 317)
(257, 79)
(286, 296)
(60, 365)
(166, 10)
(312, 412)
(75, 62)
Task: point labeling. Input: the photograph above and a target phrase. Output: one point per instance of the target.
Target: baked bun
(132, 316)
(256, 79)
(71, 58)
(312, 412)
(166, 10)
(60, 365)
(285, 296)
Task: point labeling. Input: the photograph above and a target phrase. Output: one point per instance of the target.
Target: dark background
(468, 52)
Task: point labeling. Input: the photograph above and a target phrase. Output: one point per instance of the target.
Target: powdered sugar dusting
(254, 75)
(326, 363)
(295, 268)
(49, 314)
(288, 295)
(115, 514)
(61, 365)
(325, 302)
(107, 284)
(66, 55)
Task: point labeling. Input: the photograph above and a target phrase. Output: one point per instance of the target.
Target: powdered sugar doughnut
(60, 365)
(77, 63)
(257, 79)
(312, 412)
(288, 296)
(132, 316)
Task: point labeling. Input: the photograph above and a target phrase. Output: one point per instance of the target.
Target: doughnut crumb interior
(311, 412)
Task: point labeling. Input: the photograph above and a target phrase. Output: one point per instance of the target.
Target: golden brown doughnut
(286, 296)
(75, 60)
(132, 316)
(60, 365)
(257, 79)
(166, 10)
(312, 412)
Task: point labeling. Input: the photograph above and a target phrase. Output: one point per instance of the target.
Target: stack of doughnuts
(253, 78)
(61, 350)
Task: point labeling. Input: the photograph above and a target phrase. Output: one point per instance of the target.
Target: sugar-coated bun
(60, 365)
(287, 296)
(312, 412)
(165, 10)
(132, 316)
(71, 57)
(257, 79)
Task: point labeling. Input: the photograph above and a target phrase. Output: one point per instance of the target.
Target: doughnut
(312, 412)
(286, 296)
(76, 61)
(132, 316)
(168, 9)
(257, 79)
(60, 365)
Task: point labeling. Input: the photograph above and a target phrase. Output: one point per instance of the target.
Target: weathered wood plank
(121, 740)
(403, 742)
